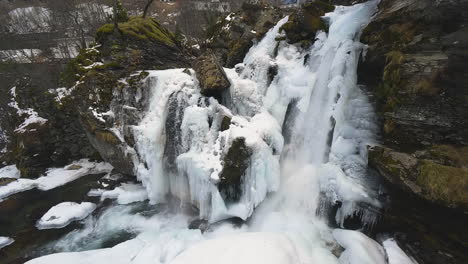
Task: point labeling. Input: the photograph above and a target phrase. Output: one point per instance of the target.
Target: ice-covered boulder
(64, 213)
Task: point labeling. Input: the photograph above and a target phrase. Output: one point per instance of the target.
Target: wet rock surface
(210, 74)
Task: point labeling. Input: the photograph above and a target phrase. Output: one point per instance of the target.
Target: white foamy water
(307, 130)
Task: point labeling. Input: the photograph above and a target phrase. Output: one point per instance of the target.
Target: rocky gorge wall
(415, 69)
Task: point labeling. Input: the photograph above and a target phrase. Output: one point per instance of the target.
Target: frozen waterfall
(304, 134)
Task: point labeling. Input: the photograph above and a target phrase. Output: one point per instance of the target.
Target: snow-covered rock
(64, 213)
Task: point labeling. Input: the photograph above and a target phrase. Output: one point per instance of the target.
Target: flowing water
(307, 129)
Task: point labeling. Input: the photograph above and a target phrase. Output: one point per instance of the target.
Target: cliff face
(416, 68)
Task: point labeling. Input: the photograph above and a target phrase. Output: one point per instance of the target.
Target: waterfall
(329, 129)
(301, 137)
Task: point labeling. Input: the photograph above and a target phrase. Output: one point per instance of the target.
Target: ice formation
(395, 254)
(5, 241)
(307, 129)
(64, 213)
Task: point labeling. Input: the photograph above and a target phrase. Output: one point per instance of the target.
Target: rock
(176, 105)
(232, 37)
(210, 74)
(424, 174)
(236, 162)
(304, 23)
(40, 145)
(414, 67)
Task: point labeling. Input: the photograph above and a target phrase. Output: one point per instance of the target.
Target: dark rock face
(210, 74)
(38, 146)
(415, 67)
(232, 37)
(236, 162)
(176, 105)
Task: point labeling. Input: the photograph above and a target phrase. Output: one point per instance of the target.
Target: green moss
(146, 29)
(387, 91)
(237, 51)
(445, 184)
(450, 155)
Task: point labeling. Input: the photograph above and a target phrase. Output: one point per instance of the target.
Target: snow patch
(10, 172)
(64, 213)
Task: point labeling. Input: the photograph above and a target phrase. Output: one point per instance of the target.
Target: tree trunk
(147, 6)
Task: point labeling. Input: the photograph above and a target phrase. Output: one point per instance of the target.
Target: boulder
(439, 174)
(304, 23)
(210, 74)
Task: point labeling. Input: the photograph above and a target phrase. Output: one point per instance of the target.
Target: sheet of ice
(5, 241)
(126, 193)
(10, 172)
(55, 177)
(395, 254)
(359, 249)
(64, 213)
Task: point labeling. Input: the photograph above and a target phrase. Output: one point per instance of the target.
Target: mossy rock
(304, 24)
(445, 184)
(450, 155)
(237, 51)
(139, 28)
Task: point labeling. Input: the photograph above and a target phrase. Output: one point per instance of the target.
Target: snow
(359, 249)
(248, 248)
(64, 213)
(5, 241)
(126, 193)
(10, 172)
(395, 254)
(55, 177)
